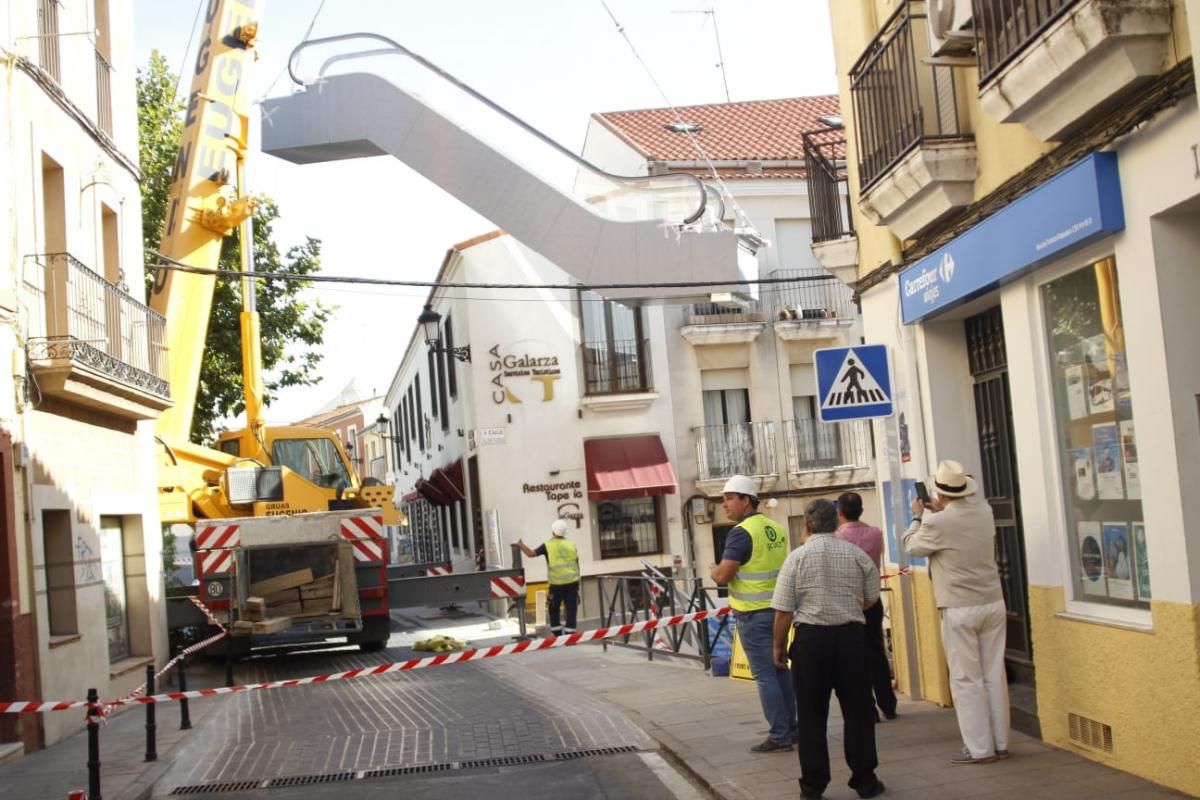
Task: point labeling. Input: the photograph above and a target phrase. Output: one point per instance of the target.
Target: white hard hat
(740, 484)
(559, 528)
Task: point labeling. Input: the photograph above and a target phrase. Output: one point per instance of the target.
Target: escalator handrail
(395, 47)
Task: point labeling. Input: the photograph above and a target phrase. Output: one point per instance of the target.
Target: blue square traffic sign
(854, 383)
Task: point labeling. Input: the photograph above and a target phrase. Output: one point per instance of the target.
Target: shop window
(1096, 437)
(628, 527)
(60, 571)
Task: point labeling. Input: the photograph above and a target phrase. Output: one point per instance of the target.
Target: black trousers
(568, 595)
(833, 658)
(881, 674)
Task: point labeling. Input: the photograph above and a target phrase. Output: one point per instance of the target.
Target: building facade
(1025, 190)
(628, 420)
(81, 565)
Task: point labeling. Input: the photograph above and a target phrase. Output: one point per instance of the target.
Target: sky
(551, 62)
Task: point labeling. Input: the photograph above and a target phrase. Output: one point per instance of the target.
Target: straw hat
(952, 480)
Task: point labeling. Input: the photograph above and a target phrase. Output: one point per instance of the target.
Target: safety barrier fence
(630, 600)
(97, 710)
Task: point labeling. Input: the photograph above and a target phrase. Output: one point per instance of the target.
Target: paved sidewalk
(704, 724)
(707, 724)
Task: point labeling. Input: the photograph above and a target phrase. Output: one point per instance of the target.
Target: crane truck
(289, 542)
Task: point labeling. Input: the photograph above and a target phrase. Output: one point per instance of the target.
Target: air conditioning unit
(951, 27)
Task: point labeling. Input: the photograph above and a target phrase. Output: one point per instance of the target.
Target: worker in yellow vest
(754, 552)
(562, 571)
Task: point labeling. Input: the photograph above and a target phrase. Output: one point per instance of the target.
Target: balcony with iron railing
(815, 448)
(732, 322)
(813, 305)
(833, 241)
(91, 343)
(1052, 64)
(49, 56)
(746, 448)
(616, 374)
(916, 149)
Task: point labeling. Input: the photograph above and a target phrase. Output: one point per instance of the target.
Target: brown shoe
(769, 746)
(965, 757)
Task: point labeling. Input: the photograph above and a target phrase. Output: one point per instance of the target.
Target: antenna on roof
(711, 12)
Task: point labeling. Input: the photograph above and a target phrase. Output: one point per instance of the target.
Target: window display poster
(1117, 566)
(1133, 482)
(1091, 559)
(1121, 378)
(1107, 452)
(1076, 391)
(1100, 394)
(1142, 560)
(1085, 480)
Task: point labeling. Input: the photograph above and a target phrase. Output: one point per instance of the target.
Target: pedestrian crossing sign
(854, 382)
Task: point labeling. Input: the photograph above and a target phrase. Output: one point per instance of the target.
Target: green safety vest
(754, 584)
(562, 561)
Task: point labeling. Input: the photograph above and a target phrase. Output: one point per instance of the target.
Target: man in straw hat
(956, 531)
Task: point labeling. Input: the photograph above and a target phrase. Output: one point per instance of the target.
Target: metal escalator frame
(395, 48)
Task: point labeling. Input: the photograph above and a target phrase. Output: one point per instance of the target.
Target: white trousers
(973, 637)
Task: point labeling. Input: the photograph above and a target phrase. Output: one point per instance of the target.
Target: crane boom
(204, 203)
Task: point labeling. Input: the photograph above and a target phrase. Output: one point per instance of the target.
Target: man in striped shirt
(822, 590)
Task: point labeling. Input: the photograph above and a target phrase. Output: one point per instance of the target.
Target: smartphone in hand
(922, 492)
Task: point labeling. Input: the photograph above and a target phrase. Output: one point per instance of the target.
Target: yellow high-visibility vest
(754, 584)
(562, 560)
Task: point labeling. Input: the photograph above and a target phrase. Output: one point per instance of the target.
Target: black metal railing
(899, 99)
(48, 54)
(620, 366)
(813, 445)
(628, 599)
(723, 313)
(808, 299)
(744, 448)
(1003, 28)
(76, 314)
(828, 192)
(104, 115)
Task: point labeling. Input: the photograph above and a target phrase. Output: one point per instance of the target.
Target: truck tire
(371, 647)
(374, 635)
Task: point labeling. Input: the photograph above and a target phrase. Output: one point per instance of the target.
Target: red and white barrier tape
(443, 659)
(102, 712)
(896, 574)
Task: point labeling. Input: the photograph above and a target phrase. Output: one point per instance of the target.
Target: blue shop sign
(1071, 209)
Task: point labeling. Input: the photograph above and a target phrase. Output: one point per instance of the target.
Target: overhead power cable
(176, 266)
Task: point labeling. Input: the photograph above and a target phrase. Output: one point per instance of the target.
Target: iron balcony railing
(620, 366)
(828, 192)
(899, 99)
(104, 117)
(1003, 28)
(808, 299)
(723, 313)
(48, 55)
(745, 448)
(813, 445)
(76, 314)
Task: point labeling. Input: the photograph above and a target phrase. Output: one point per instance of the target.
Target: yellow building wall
(1146, 685)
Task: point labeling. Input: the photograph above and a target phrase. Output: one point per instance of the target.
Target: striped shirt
(827, 581)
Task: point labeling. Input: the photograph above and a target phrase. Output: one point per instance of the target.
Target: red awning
(455, 473)
(441, 479)
(408, 498)
(432, 493)
(632, 466)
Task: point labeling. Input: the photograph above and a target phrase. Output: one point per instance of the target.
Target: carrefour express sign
(1071, 209)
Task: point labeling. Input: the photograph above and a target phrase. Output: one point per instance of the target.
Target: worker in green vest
(562, 571)
(754, 552)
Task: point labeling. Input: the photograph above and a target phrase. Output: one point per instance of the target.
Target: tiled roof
(756, 130)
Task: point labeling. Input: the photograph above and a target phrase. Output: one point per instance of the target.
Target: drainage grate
(1090, 733)
(213, 788)
(599, 751)
(392, 772)
(308, 780)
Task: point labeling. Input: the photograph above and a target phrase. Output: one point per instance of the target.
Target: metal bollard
(185, 716)
(93, 746)
(228, 663)
(151, 728)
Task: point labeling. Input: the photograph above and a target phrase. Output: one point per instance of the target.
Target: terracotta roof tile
(756, 130)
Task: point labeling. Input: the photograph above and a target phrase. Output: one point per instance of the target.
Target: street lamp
(430, 321)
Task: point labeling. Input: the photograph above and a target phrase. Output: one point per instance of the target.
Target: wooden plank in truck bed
(278, 583)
